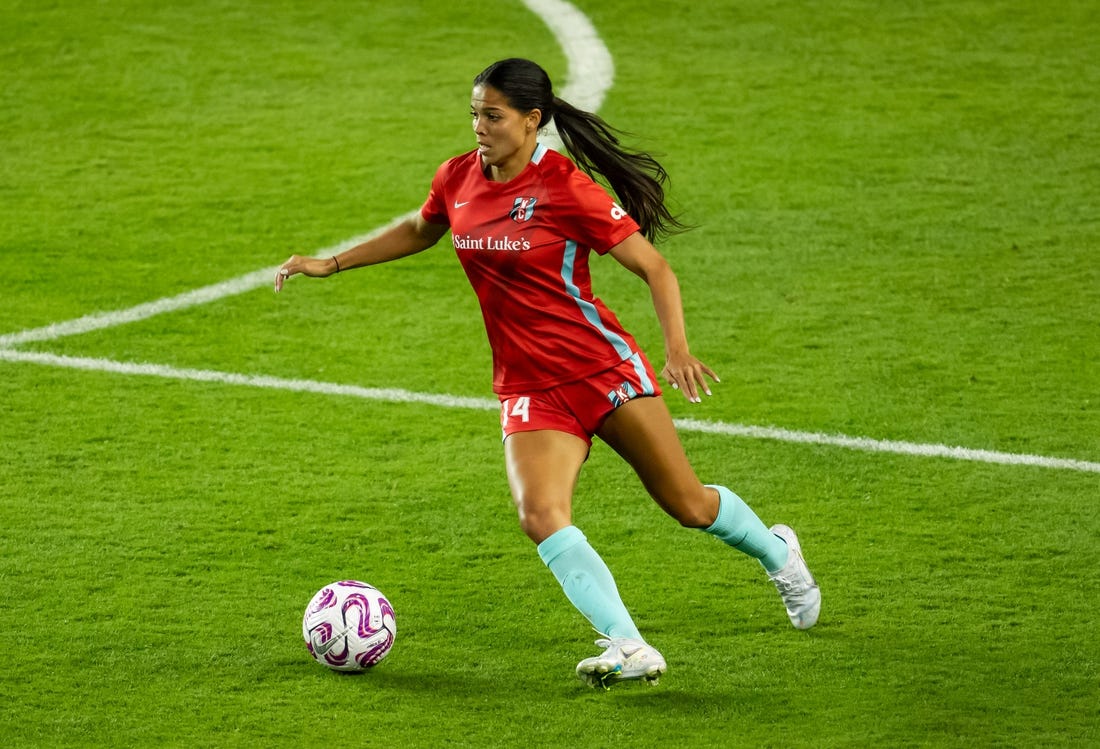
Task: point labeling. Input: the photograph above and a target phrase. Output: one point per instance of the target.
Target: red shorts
(579, 407)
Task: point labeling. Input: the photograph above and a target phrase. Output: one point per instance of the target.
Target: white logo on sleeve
(617, 212)
(459, 205)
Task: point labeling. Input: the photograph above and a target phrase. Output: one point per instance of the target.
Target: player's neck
(514, 166)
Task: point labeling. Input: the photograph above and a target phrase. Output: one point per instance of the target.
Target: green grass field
(897, 240)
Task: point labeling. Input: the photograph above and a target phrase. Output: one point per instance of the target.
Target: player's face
(506, 137)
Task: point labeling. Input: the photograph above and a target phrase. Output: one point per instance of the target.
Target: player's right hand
(314, 267)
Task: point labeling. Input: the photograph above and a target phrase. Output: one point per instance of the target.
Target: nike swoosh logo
(322, 648)
(459, 205)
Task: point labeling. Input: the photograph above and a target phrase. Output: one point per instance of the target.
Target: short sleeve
(592, 215)
(434, 210)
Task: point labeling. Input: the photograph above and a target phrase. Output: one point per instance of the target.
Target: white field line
(397, 395)
(386, 395)
(866, 444)
(591, 70)
(193, 298)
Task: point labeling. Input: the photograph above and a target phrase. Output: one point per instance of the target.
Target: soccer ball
(349, 626)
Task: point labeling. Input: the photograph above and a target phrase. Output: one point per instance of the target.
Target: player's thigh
(542, 468)
(642, 432)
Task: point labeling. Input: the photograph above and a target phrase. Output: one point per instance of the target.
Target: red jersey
(524, 245)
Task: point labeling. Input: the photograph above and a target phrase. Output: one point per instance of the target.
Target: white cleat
(623, 658)
(795, 584)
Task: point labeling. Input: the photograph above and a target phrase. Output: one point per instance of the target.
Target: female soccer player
(524, 220)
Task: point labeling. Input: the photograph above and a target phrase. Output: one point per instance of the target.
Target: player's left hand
(688, 375)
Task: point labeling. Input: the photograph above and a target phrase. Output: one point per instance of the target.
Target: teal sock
(587, 582)
(739, 527)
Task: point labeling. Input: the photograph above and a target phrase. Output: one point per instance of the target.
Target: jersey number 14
(520, 409)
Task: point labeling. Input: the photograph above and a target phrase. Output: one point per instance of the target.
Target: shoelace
(620, 646)
(791, 586)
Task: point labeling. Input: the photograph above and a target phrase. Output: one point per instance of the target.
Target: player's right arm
(408, 236)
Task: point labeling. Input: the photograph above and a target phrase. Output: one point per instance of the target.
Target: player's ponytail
(635, 176)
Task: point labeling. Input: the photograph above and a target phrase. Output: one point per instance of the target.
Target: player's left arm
(682, 370)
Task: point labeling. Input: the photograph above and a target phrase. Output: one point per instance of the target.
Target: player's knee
(540, 520)
(695, 519)
(692, 508)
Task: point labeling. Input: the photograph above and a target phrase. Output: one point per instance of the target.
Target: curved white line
(591, 70)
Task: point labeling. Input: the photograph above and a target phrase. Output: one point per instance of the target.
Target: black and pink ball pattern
(349, 626)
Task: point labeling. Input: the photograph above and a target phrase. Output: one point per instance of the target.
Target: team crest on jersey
(523, 209)
(622, 394)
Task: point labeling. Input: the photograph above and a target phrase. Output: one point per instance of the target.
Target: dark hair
(635, 176)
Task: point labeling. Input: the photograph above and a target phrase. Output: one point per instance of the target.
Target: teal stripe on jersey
(643, 376)
(540, 151)
(591, 314)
